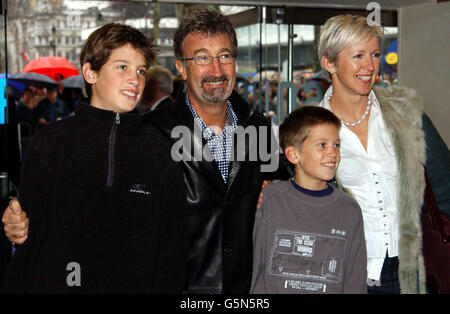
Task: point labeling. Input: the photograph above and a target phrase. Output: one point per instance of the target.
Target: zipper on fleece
(111, 151)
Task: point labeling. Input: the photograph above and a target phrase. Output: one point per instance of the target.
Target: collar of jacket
(167, 117)
(102, 120)
(239, 105)
(241, 108)
(402, 114)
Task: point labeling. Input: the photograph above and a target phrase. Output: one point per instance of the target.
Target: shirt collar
(208, 133)
(158, 102)
(374, 110)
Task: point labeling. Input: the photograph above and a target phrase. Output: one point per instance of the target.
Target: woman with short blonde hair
(383, 152)
(341, 31)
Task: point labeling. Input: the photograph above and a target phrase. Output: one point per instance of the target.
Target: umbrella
(75, 81)
(51, 66)
(16, 85)
(35, 79)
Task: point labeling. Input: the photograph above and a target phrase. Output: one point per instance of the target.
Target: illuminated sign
(391, 58)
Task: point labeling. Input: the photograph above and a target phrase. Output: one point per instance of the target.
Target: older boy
(308, 236)
(106, 202)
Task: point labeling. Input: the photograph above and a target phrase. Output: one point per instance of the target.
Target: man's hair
(204, 21)
(52, 90)
(342, 31)
(160, 76)
(296, 126)
(27, 91)
(99, 46)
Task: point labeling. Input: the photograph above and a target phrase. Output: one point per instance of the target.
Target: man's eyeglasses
(226, 58)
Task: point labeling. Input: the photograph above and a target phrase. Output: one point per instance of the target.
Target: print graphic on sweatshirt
(307, 256)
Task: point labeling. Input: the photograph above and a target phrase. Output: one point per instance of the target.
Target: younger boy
(308, 235)
(106, 202)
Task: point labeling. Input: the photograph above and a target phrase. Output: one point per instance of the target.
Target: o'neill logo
(140, 189)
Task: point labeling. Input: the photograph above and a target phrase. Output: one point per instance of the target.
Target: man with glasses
(222, 192)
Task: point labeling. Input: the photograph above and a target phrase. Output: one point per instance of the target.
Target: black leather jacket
(221, 215)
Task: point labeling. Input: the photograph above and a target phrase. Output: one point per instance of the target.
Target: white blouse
(371, 176)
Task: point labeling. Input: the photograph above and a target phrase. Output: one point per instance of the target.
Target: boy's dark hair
(206, 21)
(296, 126)
(100, 44)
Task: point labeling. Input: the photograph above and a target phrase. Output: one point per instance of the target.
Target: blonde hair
(342, 31)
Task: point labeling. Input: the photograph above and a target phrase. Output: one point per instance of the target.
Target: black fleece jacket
(101, 190)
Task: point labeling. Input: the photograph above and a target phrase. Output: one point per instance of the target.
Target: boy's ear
(89, 75)
(292, 154)
(328, 64)
(181, 68)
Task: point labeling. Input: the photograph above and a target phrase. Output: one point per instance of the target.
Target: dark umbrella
(35, 79)
(76, 81)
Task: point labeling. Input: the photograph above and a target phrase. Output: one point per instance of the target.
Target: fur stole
(402, 114)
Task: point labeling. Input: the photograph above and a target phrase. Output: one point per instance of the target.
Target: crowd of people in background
(309, 90)
(39, 106)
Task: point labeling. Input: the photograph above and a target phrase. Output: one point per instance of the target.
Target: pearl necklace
(369, 102)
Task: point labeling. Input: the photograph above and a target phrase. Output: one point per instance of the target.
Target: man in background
(158, 87)
(51, 108)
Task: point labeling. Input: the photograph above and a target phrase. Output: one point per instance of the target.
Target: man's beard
(215, 95)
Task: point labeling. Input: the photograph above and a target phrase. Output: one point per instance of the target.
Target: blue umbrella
(16, 85)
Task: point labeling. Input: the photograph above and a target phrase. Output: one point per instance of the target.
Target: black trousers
(389, 278)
